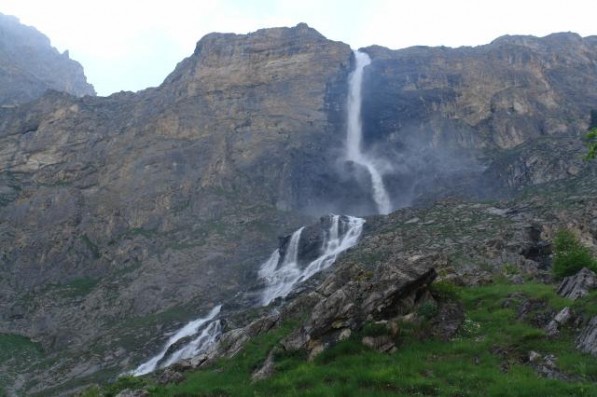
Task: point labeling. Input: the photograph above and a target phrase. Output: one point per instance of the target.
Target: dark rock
(266, 370)
(536, 312)
(579, 285)
(587, 340)
(448, 320)
(169, 375)
(563, 317)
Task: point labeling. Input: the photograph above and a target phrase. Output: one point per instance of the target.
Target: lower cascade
(281, 273)
(210, 331)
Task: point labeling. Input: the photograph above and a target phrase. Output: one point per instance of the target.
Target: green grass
(17, 353)
(487, 358)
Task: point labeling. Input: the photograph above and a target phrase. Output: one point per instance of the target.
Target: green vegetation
(570, 255)
(591, 142)
(16, 354)
(92, 246)
(78, 287)
(488, 357)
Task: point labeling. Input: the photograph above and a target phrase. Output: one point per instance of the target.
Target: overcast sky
(134, 44)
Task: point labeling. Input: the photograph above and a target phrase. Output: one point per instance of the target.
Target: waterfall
(354, 135)
(281, 280)
(282, 275)
(188, 330)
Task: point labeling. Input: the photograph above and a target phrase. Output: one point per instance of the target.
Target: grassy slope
(487, 358)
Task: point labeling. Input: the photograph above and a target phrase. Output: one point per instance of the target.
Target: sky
(134, 44)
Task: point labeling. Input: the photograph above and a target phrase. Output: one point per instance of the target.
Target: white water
(281, 280)
(354, 135)
(344, 232)
(188, 330)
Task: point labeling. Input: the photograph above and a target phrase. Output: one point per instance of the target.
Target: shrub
(570, 255)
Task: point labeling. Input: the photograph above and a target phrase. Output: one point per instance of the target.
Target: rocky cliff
(122, 217)
(510, 112)
(29, 65)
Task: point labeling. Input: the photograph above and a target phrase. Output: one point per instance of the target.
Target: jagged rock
(587, 340)
(382, 344)
(133, 393)
(266, 370)
(546, 366)
(534, 356)
(579, 285)
(562, 318)
(231, 342)
(395, 289)
(169, 375)
(448, 320)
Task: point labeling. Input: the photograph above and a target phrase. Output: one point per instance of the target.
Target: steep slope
(29, 65)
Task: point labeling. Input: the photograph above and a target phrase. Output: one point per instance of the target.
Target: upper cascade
(354, 135)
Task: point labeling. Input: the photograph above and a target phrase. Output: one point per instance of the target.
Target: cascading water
(354, 134)
(280, 280)
(207, 337)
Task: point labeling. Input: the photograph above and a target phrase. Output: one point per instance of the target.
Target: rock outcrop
(587, 340)
(578, 285)
(29, 66)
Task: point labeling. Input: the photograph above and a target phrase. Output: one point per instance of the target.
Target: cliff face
(514, 101)
(126, 209)
(121, 217)
(29, 65)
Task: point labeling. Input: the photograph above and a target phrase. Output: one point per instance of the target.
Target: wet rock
(579, 285)
(587, 340)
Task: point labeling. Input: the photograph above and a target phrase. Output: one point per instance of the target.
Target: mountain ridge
(123, 217)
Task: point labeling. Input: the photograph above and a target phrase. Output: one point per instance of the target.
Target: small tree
(591, 142)
(570, 255)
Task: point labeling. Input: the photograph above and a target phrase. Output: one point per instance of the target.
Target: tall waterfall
(354, 134)
(280, 279)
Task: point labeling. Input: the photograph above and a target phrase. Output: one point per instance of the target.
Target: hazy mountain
(29, 65)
